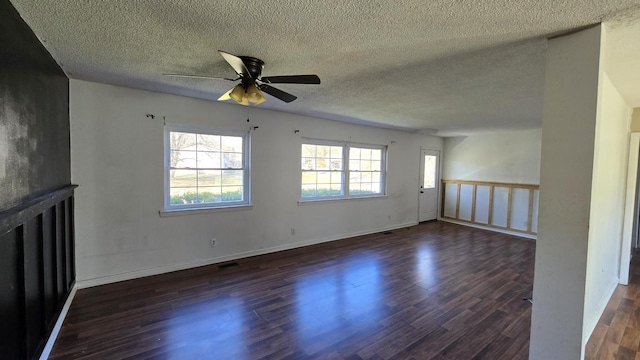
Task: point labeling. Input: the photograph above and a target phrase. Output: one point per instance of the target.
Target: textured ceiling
(453, 66)
(623, 48)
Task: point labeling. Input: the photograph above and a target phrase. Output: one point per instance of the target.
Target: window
(341, 170)
(365, 171)
(205, 169)
(322, 170)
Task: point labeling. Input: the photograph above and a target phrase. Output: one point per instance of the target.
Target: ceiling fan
(249, 71)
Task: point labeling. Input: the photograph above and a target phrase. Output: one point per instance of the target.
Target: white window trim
(325, 200)
(189, 208)
(198, 211)
(345, 171)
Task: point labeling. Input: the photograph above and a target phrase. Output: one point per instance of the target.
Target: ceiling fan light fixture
(255, 95)
(225, 96)
(237, 94)
(245, 99)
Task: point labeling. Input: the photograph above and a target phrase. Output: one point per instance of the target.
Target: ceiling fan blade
(200, 77)
(291, 79)
(225, 96)
(284, 96)
(235, 62)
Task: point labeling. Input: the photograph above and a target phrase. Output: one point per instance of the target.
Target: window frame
(246, 168)
(345, 172)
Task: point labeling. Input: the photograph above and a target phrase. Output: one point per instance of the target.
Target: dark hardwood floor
(617, 334)
(432, 291)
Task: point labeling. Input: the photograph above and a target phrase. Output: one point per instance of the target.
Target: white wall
(506, 156)
(610, 165)
(566, 169)
(117, 159)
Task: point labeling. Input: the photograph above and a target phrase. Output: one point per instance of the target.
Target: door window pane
(429, 172)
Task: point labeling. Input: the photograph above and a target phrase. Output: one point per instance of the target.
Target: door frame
(438, 180)
(629, 209)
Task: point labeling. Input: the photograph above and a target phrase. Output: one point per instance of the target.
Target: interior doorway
(428, 196)
(630, 225)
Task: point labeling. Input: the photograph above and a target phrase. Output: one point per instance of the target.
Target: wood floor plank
(431, 291)
(631, 338)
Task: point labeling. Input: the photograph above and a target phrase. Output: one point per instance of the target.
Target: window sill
(336, 200)
(196, 211)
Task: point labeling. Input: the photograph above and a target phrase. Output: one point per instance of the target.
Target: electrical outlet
(213, 242)
(525, 223)
(293, 231)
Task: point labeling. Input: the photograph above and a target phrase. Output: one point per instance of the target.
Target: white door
(428, 206)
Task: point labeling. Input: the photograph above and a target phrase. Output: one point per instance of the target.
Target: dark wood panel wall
(37, 271)
(36, 198)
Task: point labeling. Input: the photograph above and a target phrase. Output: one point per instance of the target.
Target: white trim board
(490, 228)
(56, 328)
(193, 264)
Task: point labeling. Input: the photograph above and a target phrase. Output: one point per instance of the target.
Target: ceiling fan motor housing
(254, 66)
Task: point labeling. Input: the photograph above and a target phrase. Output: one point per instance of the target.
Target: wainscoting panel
(11, 295)
(466, 202)
(49, 265)
(481, 209)
(500, 209)
(36, 271)
(505, 206)
(534, 211)
(33, 281)
(520, 209)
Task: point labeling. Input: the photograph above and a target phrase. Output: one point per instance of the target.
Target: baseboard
(183, 266)
(56, 328)
(490, 228)
(591, 325)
